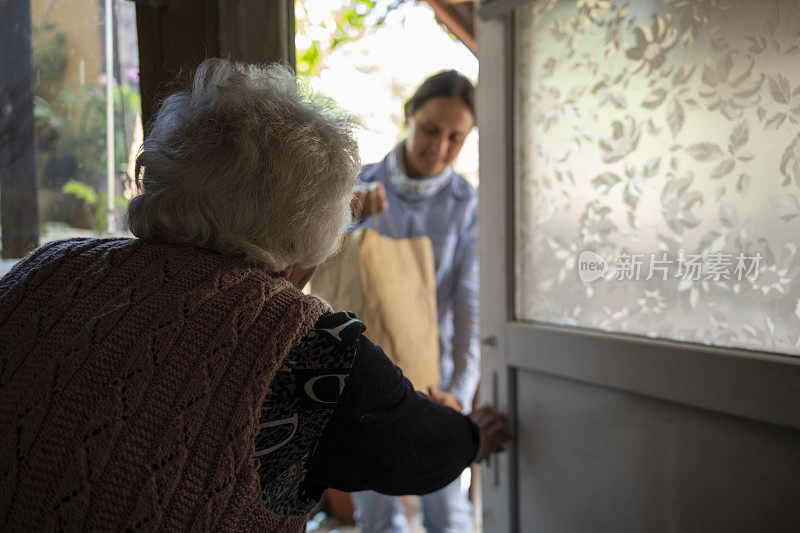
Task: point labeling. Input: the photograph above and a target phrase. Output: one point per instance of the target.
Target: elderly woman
(182, 380)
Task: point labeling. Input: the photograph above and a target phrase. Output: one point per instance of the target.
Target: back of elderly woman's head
(246, 163)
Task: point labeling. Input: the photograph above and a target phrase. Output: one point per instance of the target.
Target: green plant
(93, 200)
(82, 126)
(71, 123)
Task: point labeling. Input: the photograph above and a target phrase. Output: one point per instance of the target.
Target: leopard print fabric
(300, 401)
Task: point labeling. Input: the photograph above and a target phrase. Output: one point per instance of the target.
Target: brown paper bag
(390, 283)
(338, 280)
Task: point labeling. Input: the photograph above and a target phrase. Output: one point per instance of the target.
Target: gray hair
(247, 162)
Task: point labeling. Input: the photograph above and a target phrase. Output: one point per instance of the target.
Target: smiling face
(436, 133)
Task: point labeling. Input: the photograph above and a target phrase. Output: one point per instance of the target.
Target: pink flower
(101, 80)
(131, 75)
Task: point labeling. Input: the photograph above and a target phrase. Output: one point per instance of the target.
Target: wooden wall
(176, 35)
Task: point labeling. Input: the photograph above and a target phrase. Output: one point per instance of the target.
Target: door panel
(655, 404)
(596, 459)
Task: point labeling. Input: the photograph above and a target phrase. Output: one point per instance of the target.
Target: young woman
(416, 188)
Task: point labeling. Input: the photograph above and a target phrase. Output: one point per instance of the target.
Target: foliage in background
(71, 125)
(317, 39)
(92, 200)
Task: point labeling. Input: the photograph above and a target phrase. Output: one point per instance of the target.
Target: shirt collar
(409, 188)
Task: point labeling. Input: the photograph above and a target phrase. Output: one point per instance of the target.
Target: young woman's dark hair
(448, 84)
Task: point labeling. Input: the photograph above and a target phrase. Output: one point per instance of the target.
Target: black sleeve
(384, 436)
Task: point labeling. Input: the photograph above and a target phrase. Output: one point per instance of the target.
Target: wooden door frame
(494, 114)
(176, 35)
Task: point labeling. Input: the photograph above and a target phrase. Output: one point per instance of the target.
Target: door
(640, 270)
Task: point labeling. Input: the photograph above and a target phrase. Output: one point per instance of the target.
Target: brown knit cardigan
(131, 380)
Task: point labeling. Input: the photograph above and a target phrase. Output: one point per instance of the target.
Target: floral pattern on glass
(663, 131)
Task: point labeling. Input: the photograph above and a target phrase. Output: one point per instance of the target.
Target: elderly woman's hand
(495, 431)
(369, 201)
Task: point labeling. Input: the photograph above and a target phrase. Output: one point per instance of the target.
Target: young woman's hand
(495, 431)
(369, 201)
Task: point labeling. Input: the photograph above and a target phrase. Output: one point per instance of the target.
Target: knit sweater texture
(132, 376)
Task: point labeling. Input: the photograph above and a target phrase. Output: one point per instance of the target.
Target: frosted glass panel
(658, 167)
